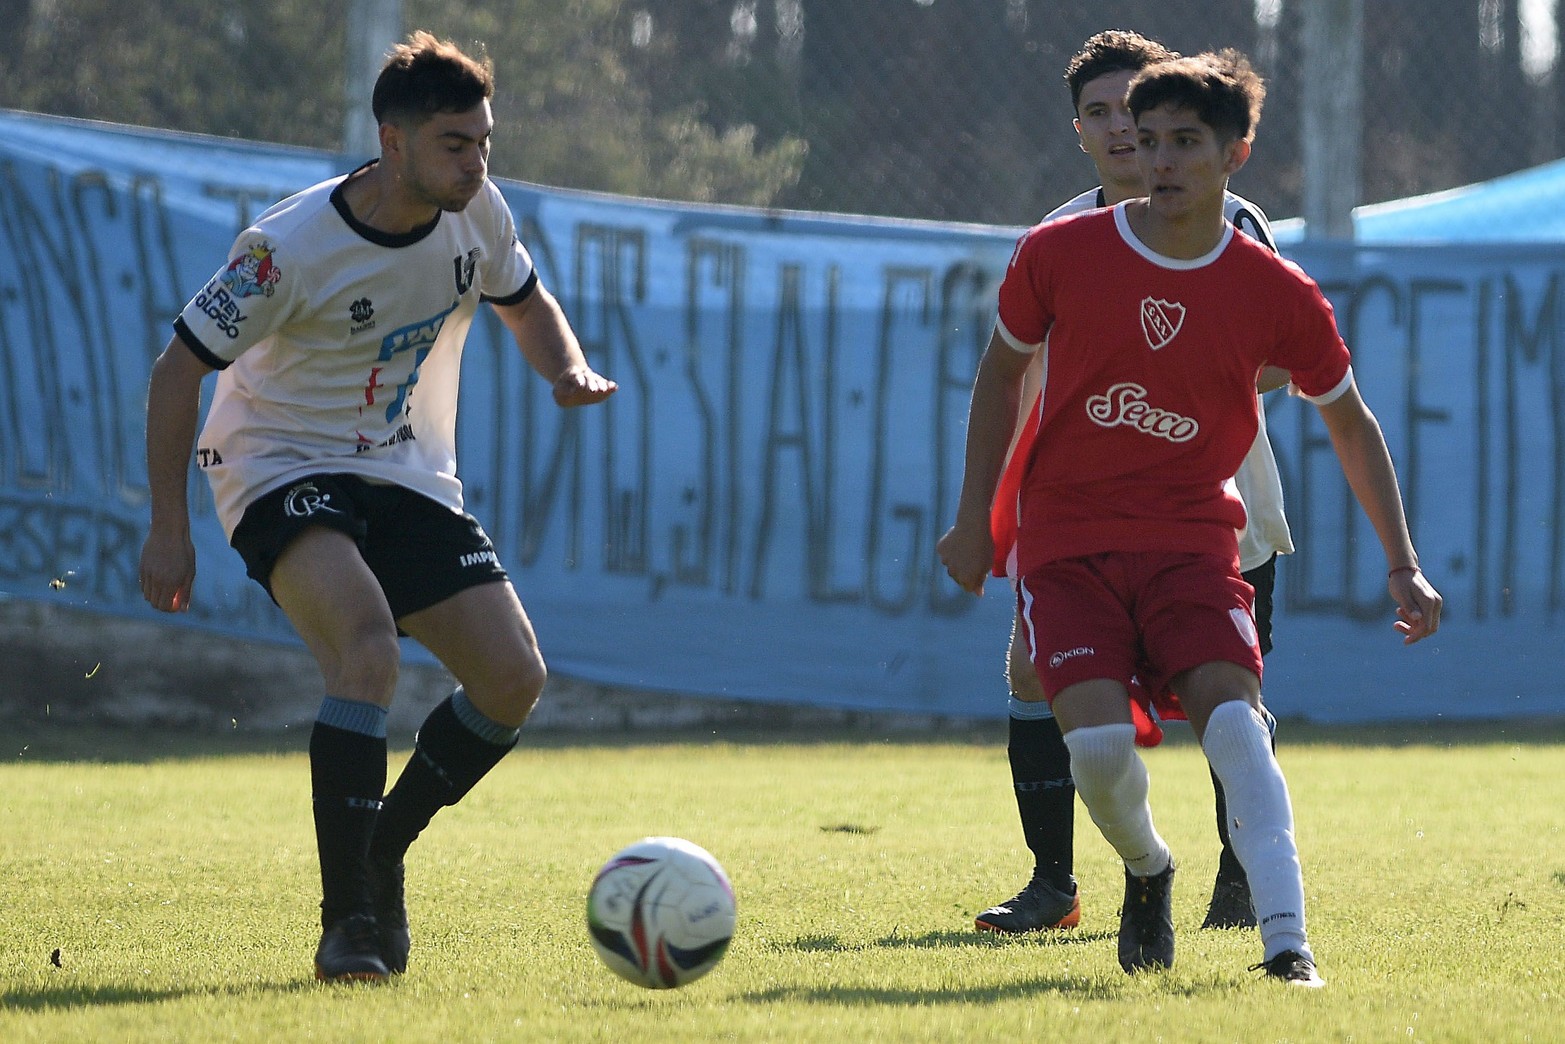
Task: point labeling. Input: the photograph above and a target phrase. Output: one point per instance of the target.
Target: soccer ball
(661, 912)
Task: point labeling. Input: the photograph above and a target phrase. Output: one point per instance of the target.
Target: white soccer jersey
(1258, 480)
(340, 345)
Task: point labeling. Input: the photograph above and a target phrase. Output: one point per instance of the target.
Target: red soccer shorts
(1147, 615)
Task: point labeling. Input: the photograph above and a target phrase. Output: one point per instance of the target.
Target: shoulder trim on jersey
(521, 295)
(199, 350)
(375, 235)
(1327, 398)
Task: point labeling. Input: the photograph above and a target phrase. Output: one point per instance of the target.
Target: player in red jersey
(1159, 318)
(1098, 77)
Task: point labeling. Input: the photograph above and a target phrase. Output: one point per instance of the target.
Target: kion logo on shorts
(1068, 654)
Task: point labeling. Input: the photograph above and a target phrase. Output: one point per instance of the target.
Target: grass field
(176, 877)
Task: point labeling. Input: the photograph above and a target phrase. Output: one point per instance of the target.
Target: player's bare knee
(1205, 688)
(1022, 676)
(510, 695)
(366, 669)
(528, 687)
(1024, 683)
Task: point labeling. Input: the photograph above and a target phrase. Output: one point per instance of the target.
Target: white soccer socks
(1260, 823)
(1112, 781)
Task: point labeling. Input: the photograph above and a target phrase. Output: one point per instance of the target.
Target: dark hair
(1113, 50)
(427, 75)
(1222, 89)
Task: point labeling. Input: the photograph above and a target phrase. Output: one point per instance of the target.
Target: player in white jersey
(1040, 763)
(337, 326)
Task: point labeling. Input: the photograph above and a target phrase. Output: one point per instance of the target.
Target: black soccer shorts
(420, 551)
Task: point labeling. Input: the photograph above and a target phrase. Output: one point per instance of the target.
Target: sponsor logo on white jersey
(221, 307)
(362, 312)
(253, 272)
(1125, 403)
(1161, 321)
(464, 267)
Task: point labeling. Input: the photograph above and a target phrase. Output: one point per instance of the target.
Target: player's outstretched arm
(1361, 447)
(168, 557)
(967, 549)
(550, 347)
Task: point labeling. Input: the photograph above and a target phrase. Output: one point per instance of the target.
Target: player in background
(1098, 77)
(1127, 547)
(337, 326)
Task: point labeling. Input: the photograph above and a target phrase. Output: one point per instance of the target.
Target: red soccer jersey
(1149, 400)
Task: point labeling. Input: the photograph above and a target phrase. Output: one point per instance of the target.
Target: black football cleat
(350, 952)
(1146, 922)
(1037, 907)
(1231, 906)
(1292, 968)
(391, 914)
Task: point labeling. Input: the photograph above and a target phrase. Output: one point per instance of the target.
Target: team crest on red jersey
(1161, 321)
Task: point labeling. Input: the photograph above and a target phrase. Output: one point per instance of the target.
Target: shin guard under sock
(1228, 864)
(1045, 792)
(347, 778)
(1113, 783)
(449, 758)
(1260, 822)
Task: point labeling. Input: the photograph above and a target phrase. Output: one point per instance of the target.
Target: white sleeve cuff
(1326, 398)
(1015, 342)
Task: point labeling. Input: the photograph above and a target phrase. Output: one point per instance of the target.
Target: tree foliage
(271, 72)
(950, 109)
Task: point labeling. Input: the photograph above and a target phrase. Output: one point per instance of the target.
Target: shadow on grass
(68, 995)
(946, 940)
(59, 742)
(1064, 984)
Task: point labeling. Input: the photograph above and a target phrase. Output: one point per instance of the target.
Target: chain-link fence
(945, 109)
(958, 110)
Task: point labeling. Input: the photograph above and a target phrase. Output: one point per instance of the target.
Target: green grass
(176, 876)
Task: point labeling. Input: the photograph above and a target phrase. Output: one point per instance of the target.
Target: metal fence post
(1333, 118)
(374, 26)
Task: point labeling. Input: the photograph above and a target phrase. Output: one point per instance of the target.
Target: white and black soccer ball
(661, 912)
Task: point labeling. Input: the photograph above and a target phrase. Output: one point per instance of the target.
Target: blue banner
(753, 516)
